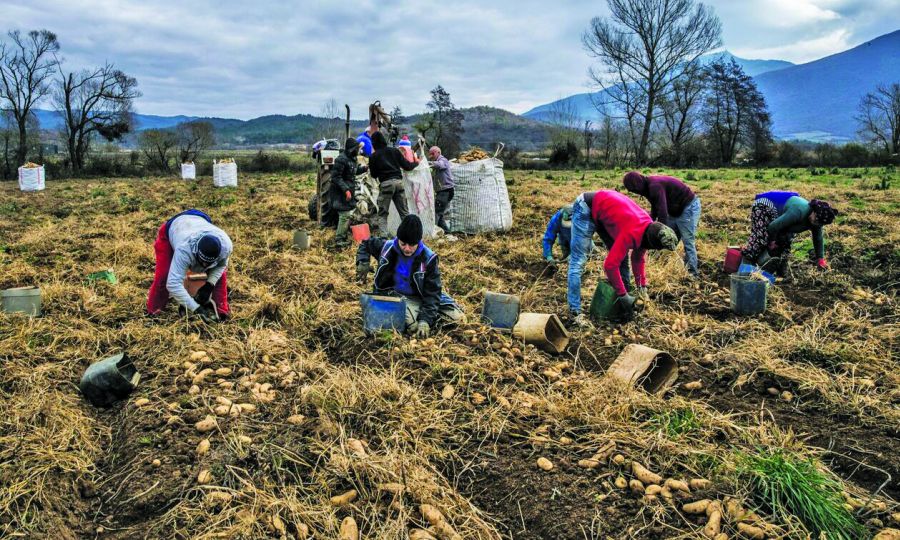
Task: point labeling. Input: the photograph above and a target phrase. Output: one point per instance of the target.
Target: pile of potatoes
(859, 294)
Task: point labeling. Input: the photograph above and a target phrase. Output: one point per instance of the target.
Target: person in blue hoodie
(559, 230)
(407, 267)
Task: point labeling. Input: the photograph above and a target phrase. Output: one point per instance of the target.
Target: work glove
(641, 292)
(822, 264)
(549, 259)
(626, 301)
(362, 272)
(423, 330)
(348, 195)
(205, 314)
(204, 294)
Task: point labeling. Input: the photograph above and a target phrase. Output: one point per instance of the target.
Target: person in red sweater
(623, 226)
(674, 204)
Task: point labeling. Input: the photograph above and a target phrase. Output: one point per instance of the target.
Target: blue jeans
(583, 229)
(685, 227)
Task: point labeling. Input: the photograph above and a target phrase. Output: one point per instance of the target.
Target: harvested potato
(204, 373)
(448, 391)
(247, 407)
(644, 474)
(750, 531)
(618, 459)
(693, 385)
(194, 390)
(787, 396)
(679, 485)
(545, 464)
(653, 489)
(621, 483)
(156, 463)
(296, 419)
(699, 483)
(203, 447)
(207, 424)
(358, 447)
(198, 355)
(588, 463)
(204, 477)
(697, 507)
(243, 439)
(713, 525)
(565, 440)
(141, 402)
(665, 492)
(345, 498)
(773, 391)
(221, 400)
(636, 486)
(420, 534)
(218, 498)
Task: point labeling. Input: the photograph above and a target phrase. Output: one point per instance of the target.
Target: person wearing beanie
(444, 186)
(189, 242)
(407, 267)
(342, 192)
(775, 218)
(405, 147)
(559, 230)
(674, 204)
(387, 165)
(623, 226)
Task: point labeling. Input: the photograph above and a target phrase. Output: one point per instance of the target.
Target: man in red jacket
(623, 226)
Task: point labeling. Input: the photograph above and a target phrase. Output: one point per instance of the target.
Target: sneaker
(582, 321)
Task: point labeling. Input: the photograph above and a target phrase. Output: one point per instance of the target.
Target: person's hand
(204, 294)
(641, 292)
(362, 272)
(773, 245)
(423, 330)
(348, 195)
(626, 301)
(822, 264)
(205, 314)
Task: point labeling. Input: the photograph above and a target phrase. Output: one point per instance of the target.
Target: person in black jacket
(387, 165)
(407, 267)
(342, 193)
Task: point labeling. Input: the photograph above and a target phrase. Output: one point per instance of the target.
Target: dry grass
(69, 469)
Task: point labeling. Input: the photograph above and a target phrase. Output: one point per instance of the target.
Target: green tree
(442, 124)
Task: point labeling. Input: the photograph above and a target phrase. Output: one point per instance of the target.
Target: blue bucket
(747, 269)
(383, 313)
(748, 295)
(500, 310)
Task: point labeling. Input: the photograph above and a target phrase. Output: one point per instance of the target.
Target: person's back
(617, 213)
(388, 163)
(187, 228)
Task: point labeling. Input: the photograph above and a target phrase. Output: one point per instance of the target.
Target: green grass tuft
(676, 422)
(788, 485)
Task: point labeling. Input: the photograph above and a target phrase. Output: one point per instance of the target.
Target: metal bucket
(25, 300)
(544, 331)
(643, 367)
(500, 310)
(301, 240)
(109, 380)
(748, 295)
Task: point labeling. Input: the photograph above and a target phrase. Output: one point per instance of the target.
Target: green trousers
(343, 226)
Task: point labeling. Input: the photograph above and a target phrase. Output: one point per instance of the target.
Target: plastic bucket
(544, 331)
(383, 313)
(109, 380)
(360, 232)
(748, 295)
(603, 304)
(643, 367)
(193, 282)
(22, 300)
(500, 310)
(732, 259)
(301, 240)
(747, 269)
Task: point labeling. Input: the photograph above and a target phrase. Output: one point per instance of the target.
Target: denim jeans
(685, 227)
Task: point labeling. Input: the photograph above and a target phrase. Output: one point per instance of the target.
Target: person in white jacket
(189, 242)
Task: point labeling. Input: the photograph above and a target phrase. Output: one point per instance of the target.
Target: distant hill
(484, 126)
(584, 105)
(818, 100)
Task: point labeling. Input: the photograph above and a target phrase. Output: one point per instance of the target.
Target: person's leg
(441, 201)
(412, 312)
(451, 314)
(400, 199)
(220, 295)
(760, 217)
(158, 296)
(582, 232)
(340, 236)
(687, 226)
(385, 195)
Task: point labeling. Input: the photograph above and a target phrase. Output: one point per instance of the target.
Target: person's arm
(818, 236)
(368, 249)
(659, 209)
(440, 164)
(638, 266)
(551, 234)
(431, 296)
(214, 274)
(614, 258)
(792, 216)
(181, 261)
(342, 175)
(406, 164)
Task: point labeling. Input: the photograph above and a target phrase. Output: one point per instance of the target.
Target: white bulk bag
(480, 199)
(225, 174)
(31, 178)
(188, 171)
(419, 191)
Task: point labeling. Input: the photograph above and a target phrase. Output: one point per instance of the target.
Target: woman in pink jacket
(624, 227)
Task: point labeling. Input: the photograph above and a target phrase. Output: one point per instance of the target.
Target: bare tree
(25, 68)
(194, 138)
(332, 127)
(158, 146)
(644, 47)
(679, 111)
(565, 122)
(94, 102)
(879, 117)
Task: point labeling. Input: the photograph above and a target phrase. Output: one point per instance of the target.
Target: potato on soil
(636, 486)
(693, 385)
(204, 477)
(653, 489)
(588, 463)
(345, 498)
(545, 464)
(203, 447)
(198, 355)
(295, 420)
(194, 390)
(141, 402)
(621, 483)
(713, 525)
(618, 459)
(699, 483)
(207, 424)
(697, 507)
(888, 534)
(358, 447)
(448, 391)
(645, 475)
(679, 485)
(787, 396)
(218, 498)
(349, 529)
(749, 531)
(420, 534)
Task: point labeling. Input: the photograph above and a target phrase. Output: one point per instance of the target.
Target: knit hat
(208, 248)
(567, 215)
(659, 236)
(351, 147)
(634, 182)
(824, 212)
(404, 141)
(410, 230)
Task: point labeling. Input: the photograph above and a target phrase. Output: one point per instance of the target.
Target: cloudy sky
(243, 59)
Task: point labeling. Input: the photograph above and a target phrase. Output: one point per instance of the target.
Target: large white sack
(419, 191)
(225, 174)
(480, 199)
(188, 171)
(31, 178)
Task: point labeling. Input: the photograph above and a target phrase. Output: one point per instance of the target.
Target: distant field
(457, 422)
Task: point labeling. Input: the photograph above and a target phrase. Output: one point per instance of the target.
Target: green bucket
(603, 304)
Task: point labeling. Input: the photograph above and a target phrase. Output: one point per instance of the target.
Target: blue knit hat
(405, 142)
(208, 248)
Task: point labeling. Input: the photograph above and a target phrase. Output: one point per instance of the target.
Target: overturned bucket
(544, 331)
(643, 367)
(301, 240)
(109, 380)
(748, 294)
(25, 300)
(500, 310)
(383, 313)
